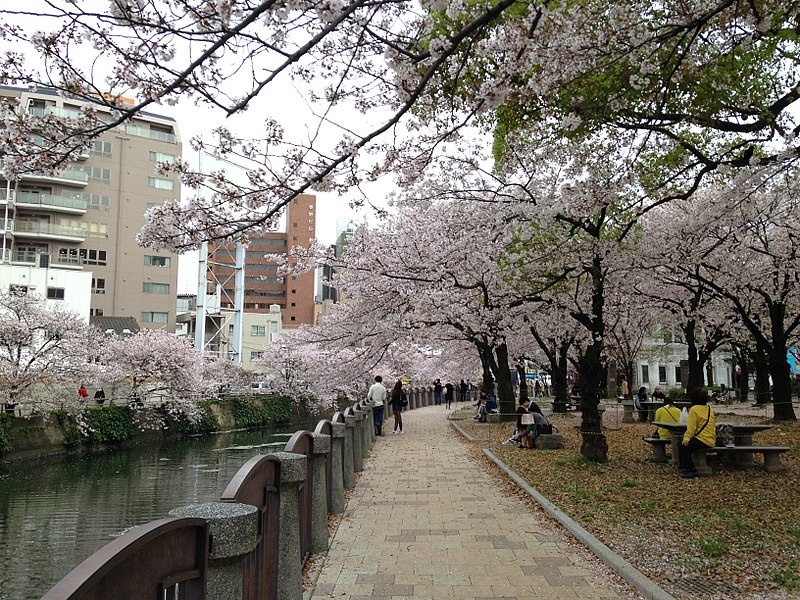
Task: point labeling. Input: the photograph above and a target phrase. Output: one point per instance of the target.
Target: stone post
(233, 528)
(365, 423)
(351, 422)
(627, 407)
(369, 430)
(290, 572)
(319, 494)
(337, 481)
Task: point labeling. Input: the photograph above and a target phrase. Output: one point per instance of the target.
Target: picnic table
(742, 438)
(651, 406)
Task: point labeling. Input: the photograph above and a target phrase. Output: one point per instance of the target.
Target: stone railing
(253, 543)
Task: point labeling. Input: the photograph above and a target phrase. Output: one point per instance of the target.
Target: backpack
(546, 429)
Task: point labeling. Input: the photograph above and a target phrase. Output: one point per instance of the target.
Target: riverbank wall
(31, 437)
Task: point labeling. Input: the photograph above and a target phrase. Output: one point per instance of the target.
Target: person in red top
(82, 393)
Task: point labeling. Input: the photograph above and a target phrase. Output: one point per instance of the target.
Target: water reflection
(56, 512)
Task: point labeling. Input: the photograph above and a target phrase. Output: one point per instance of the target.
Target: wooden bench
(659, 448)
(743, 456)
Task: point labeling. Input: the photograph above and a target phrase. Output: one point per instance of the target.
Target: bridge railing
(253, 543)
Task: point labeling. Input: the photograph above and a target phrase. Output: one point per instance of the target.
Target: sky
(333, 211)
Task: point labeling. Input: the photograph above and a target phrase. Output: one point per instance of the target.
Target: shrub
(6, 441)
(205, 424)
(259, 411)
(109, 424)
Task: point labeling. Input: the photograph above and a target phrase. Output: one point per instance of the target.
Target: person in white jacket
(377, 395)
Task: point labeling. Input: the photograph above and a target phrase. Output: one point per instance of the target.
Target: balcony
(6, 226)
(48, 231)
(153, 134)
(6, 197)
(71, 176)
(48, 202)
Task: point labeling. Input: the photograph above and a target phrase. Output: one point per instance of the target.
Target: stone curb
(611, 559)
(460, 430)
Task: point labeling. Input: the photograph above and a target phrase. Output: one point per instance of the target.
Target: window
(230, 329)
(155, 288)
(101, 149)
(157, 261)
(162, 157)
(98, 286)
(55, 293)
(678, 378)
(98, 174)
(645, 374)
(97, 201)
(258, 330)
(160, 183)
(293, 304)
(662, 374)
(95, 229)
(254, 355)
(155, 317)
(92, 257)
(293, 319)
(95, 312)
(18, 289)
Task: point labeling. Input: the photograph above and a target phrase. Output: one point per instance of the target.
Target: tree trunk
(523, 382)
(559, 378)
(594, 445)
(762, 378)
(781, 383)
(742, 379)
(695, 377)
(486, 360)
(506, 400)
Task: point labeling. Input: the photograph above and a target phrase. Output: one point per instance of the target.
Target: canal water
(55, 512)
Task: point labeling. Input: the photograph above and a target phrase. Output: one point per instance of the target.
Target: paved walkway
(426, 521)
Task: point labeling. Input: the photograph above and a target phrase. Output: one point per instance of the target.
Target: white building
(71, 290)
(662, 362)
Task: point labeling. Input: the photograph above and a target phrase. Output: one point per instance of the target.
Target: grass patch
(709, 547)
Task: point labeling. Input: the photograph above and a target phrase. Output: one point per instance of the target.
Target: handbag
(403, 399)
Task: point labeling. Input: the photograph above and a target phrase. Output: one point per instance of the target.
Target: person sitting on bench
(701, 431)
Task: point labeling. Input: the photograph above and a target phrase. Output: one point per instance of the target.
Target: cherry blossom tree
(746, 253)
(44, 354)
(155, 364)
(692, 87)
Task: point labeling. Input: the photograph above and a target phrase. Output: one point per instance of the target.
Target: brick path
(426, 521)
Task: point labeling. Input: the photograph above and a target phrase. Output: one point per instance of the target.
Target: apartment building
(293, 294)
(86, 216)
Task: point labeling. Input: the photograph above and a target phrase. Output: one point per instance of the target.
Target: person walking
(99, 396)
(398, 401)
(377, 395)
(463, 391)
(82, 394)
(448, 393)
(437, 392)
(701, 431)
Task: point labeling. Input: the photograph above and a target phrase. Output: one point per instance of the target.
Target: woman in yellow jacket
(701, 431)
